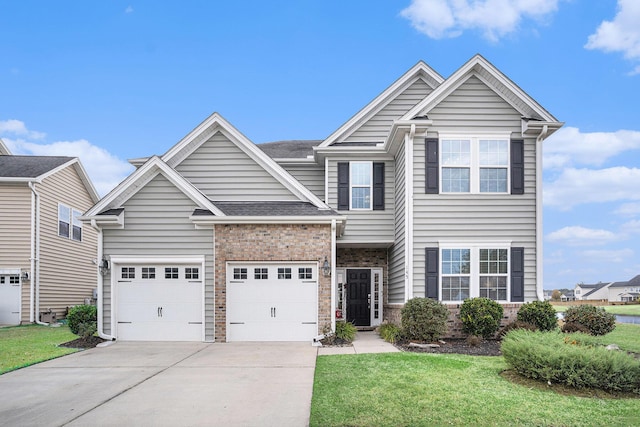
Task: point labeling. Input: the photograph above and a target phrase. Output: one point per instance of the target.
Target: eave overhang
(208, 221)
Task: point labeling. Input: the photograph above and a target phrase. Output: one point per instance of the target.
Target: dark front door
(359, 297)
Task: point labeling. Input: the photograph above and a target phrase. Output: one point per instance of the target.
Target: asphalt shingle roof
(268, 209)
(294, 149)
(29, 166)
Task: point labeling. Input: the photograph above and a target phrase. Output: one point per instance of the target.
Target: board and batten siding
(223, 172)
(376, 129)
(157, 224)
(15, 234)
(395, 289)
(67, 268)
(474, 217)
(309, 175)
(366, 226)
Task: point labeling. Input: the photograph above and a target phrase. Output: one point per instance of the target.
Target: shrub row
(571, 359)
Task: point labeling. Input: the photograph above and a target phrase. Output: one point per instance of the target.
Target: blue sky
(113, 80)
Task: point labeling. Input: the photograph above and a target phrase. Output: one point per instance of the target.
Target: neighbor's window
(171, 273)
(284, 273)
(69, 224)
(360, 182)
(261, 273)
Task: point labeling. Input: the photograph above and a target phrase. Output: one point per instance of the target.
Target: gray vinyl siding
(377, 127)
(15, 234)
(223, 172)
(311, 176)
(366, 226)
(68, 274)
(474, 217)
(157, 224)
(395, 288)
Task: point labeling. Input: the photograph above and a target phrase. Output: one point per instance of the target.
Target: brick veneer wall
(454, 325)
(270, 242)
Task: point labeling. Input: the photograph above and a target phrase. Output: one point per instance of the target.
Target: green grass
(22, 346)
(630, 310)
(412, 389)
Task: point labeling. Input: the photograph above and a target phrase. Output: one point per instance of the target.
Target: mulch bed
(457, 346)
(83, 343)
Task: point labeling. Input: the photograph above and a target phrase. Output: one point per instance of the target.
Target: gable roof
(481, 68)
(597, 288)
(4, 150)
(633, 282)
(110, 203)
(420, 70)
(216, 123)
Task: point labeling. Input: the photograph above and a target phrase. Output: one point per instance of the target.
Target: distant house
(568, 296)
(547, 295)
(593, 292)
(625, 291)
(46, 254)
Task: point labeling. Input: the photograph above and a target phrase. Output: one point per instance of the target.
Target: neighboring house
(433, 190)
(568, 296)
(47, 256)
(625, 291)
(596, 291)
(547, 295)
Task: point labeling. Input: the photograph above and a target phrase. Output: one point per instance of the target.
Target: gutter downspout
(32, 258)
(100, 279)
(539, 236)
(333, 275)
(408, 213)
(35, 272)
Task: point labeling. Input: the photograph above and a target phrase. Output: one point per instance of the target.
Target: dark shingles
(268, 209)
(294, 149)
(116, 211)
(29, 166)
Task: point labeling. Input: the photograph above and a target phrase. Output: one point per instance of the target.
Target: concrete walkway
(365, 342)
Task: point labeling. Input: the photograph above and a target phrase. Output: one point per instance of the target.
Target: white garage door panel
(9, 299)
(272, 309)
(159, 309)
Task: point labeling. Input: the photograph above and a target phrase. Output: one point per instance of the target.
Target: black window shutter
(517, 166)
(431, 273)
(378, 186)
(517, 274)
(343, 186)
(432, 166)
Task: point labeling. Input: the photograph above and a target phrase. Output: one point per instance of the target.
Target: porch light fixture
(25, 276)
(104, 266)
(326, 268)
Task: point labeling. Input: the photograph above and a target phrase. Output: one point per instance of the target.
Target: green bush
(576, 360)
(595, 319)
(481, 317)
(82, 320)
(517, 325)
(389, 332)
(540, 313)
(424, 319)
(345, 331)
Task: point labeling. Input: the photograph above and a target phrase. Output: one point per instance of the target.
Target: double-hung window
(474, 164)
(361, 180)
(361, 185)
(69, 224)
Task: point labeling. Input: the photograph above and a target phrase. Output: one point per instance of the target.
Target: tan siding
(366, 226)
(396, 289)
(474, 107)
(311, 176)
(377, 128)
(157, 224)
(67, 271)
(222, 171)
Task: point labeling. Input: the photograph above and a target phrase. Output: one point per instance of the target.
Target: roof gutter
(209, 221)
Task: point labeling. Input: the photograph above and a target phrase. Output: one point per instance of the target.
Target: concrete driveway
(165, 384)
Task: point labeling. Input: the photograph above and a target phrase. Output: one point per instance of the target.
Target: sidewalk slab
(365, 342)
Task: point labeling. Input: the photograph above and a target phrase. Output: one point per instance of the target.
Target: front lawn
(411, 389)
(22, 346)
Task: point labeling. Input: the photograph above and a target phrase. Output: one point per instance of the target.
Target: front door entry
(359, 297)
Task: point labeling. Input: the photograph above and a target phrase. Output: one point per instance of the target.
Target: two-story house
(433, 190)
(47, 255)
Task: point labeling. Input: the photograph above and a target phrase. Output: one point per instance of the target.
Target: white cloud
(578, 186)
(608, 256)
(578, 236)
(494, 18)
(570, 147)
(631, 227)
(628, 209)
(620, 35)
(104, 169)
(129, 9)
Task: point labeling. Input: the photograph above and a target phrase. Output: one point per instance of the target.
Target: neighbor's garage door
(159, 302)
(272, 302)
(10, 298)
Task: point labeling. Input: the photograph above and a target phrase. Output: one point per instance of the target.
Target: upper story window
(474, 165)
(360, 185)
(69, 224)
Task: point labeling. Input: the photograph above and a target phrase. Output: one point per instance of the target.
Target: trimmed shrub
(389, 332)
(539, 313)
(424, 319)
(517, 325)
(575, 360)
(595, 319)
(345, 331)
(570, 327)
(480, 317)
(83, 320)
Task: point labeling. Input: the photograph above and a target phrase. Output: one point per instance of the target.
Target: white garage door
(159, 302)
(9, 297)
(272, 302)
